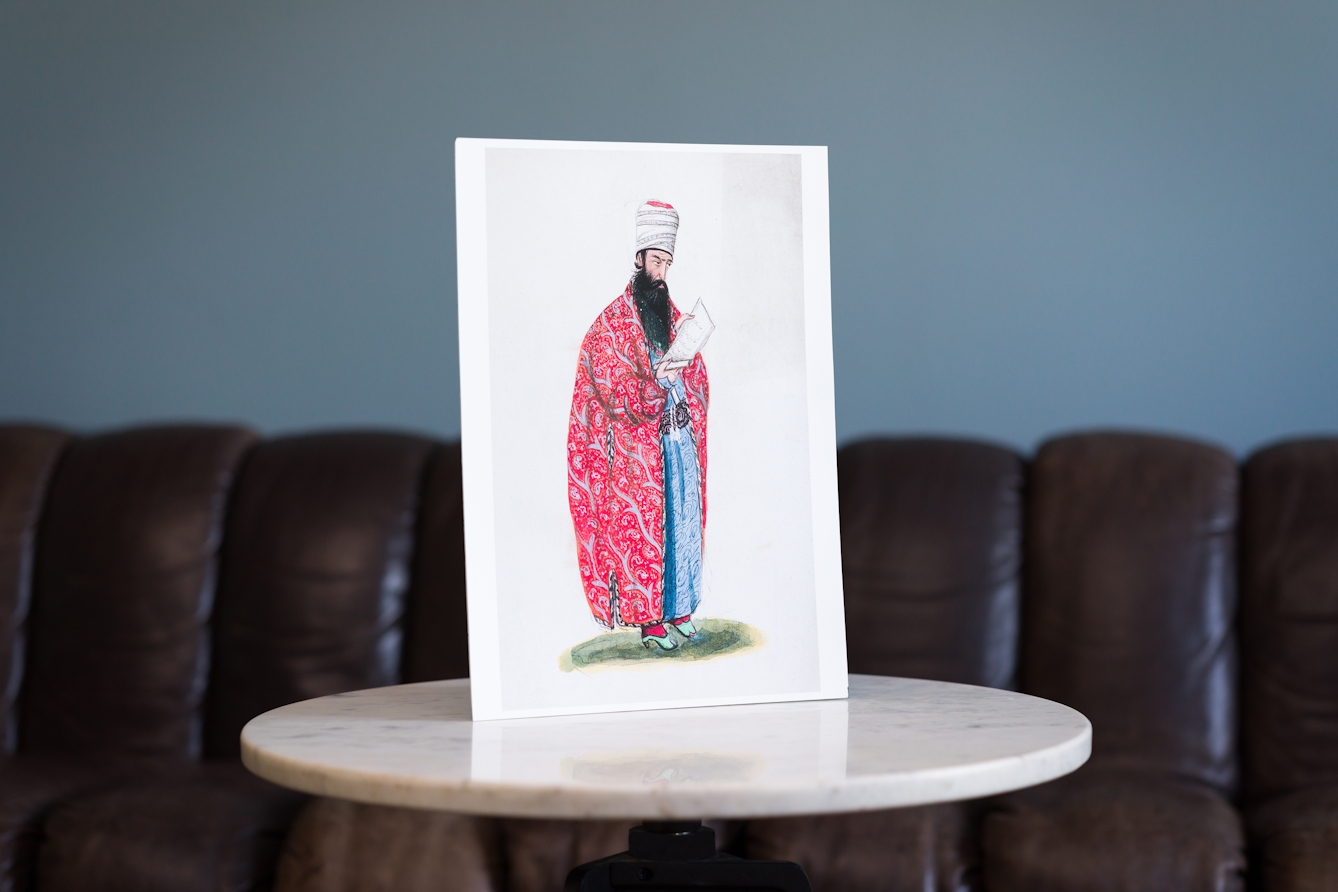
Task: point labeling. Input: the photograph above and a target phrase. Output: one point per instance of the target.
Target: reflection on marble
(662, 767)
(895, 742)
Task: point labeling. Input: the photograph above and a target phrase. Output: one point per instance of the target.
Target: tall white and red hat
(656, 227)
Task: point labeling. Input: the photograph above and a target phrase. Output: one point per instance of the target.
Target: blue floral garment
(682, 508)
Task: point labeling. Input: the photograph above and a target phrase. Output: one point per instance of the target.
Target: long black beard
(652, 305)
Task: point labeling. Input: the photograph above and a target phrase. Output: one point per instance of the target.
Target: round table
(895, 742)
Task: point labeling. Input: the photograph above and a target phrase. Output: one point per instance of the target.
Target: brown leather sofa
(160, 586)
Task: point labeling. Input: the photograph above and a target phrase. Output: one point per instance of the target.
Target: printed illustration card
(647, 426)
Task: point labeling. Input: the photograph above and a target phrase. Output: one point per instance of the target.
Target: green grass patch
(623, 648)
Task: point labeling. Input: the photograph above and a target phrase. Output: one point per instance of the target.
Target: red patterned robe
(615, 465)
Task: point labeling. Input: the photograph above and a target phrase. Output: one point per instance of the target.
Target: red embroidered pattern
(615, 466)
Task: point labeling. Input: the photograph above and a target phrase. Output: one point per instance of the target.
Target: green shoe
(664, 640)
(685, 626)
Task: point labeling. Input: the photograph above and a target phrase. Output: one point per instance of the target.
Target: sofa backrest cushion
(436, 630)
(1289, 617)
(126, 564)
(931, 549)
(27, 455)
(315, 567)
(1129, 598)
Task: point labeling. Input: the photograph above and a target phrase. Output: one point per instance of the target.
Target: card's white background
(560, 230)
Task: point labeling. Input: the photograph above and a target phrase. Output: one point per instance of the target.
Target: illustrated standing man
(636, 453)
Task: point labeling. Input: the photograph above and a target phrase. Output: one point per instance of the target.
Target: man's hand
(671, 374)
(662, 372)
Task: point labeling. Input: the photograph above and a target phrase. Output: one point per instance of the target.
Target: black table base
(682, 855)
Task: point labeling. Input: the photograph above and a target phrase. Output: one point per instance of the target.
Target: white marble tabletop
(895, 742)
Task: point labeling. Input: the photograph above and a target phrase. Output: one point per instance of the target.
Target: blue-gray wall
(1044, 214)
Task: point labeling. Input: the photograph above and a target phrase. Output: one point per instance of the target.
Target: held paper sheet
(689, 338)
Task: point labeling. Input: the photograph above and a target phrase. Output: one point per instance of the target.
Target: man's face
(657, 263)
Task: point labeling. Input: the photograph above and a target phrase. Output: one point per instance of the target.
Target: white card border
(471, 240)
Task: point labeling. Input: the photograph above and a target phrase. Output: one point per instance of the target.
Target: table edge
(490, 798)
